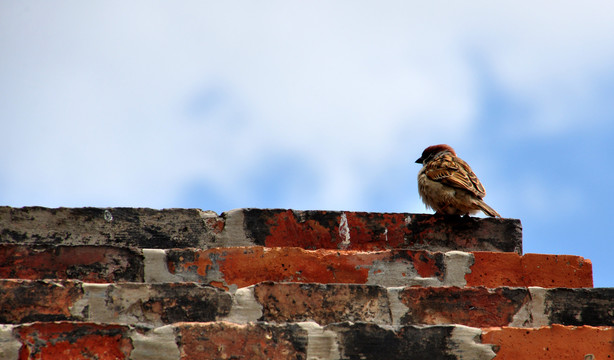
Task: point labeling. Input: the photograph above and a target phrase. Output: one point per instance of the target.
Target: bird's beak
(419, 161)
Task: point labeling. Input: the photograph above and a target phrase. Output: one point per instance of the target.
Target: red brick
(475, 307)
(222, 340)
(26, 301)
(246, 266)
(324, 304)
(551, 342)
(66, 340)
(549, 271)
(98, 264)
(379, 231)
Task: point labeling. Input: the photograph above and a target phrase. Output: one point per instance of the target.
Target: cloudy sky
(313, 105)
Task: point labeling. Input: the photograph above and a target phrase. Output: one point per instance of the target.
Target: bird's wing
(453, 171)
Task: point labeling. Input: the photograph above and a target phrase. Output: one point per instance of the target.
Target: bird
(447, 184)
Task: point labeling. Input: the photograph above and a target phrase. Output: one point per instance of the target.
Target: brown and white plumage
(447, 184)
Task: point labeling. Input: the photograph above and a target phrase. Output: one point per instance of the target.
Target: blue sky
(313, 105)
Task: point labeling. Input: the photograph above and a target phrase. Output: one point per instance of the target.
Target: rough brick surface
(219, 340)
(127, 303)
(377, 231)
(324, 304)
(580, 306)
(180, 228)
(543, 270)
(552, 342)
(369, 341)
(232, 268)
(136, 227)
(28, 301)
(252, 341)
(87, 263)
(477, 307)
(159, 304)
(67, 340)
(128, 283)
(222, 340)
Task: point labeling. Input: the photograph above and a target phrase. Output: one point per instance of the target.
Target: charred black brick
(579, 307)
(370, 341)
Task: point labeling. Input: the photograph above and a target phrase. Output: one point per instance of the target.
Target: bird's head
(433, 150)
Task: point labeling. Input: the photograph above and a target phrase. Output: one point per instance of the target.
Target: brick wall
(127, 283)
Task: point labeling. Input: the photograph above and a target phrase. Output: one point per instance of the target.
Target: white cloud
(551, 57)
(97, 95)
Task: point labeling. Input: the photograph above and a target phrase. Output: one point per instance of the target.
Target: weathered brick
(476, 307)
(124, 303)
(378, 231)
(158, 304)
(68, 340)
(87, 263)
(341, 340)
(580, 306)
(181, 228)
(232, 268)
(549, 271)
(552, 342)
(28, 301)
(370, 341)
(221, 340)
(136, 227)
(347, 340)
(323, 304)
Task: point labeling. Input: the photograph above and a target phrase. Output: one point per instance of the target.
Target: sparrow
(447, 184)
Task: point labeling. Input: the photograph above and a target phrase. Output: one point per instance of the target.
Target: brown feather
(487, 209)
(453, 171)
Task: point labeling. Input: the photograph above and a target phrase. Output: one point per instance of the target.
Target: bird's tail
(487, 209)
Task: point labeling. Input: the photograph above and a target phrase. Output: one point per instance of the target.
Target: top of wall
(182, 228)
